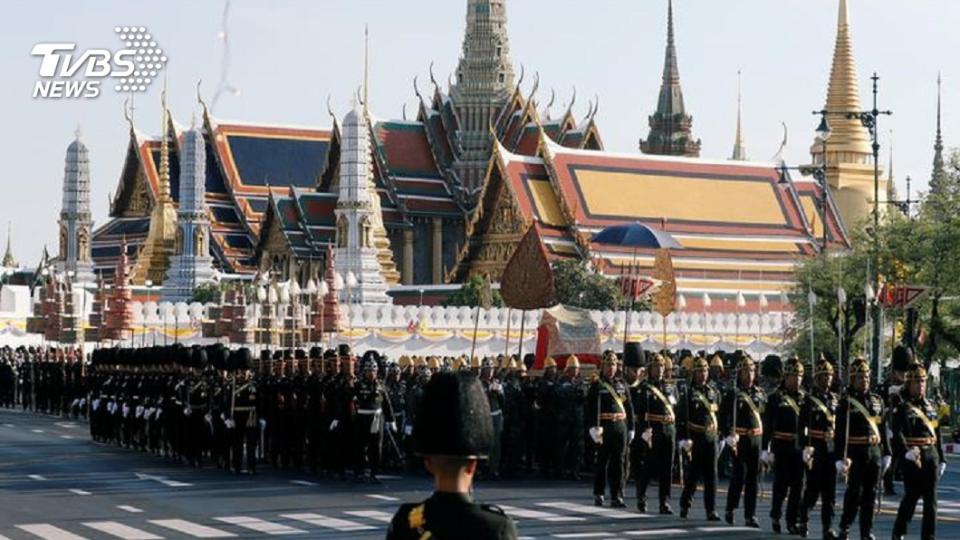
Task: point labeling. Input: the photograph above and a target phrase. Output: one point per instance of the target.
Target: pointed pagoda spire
(671, 128)
(739, 149)
(938, 168)
(164, 169)
(8, 260)
(849, 141)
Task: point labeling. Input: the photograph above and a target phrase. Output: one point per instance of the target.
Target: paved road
(57, 485)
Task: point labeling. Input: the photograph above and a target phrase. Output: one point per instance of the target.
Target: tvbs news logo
(66, 72)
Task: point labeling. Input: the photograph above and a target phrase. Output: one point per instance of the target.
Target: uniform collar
(448, 497)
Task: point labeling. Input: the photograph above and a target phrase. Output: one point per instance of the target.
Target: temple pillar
(408, 256)
(437, 251)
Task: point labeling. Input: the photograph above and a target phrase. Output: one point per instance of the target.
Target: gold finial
(848, 136)
(366, 64)
(164, 171)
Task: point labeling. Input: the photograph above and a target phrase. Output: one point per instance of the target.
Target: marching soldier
(374, 414)
(782, 427)
(863, 452)
(344, 410)
(916, 437)
(890, 391)
(633, 375)
(817, 431)
(657, 423)
(545, 412)
(741, 419)
(493, 389)
(697, 428)
(569, 419)
(243, 421)
(611, 416)
(454, 431)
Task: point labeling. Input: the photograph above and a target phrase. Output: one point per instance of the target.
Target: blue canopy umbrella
(635, 235)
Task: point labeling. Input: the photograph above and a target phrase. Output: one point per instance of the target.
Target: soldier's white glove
(392, 426)
(893, 390)
(686, 445)
(630, 436)
(408, 430)
(732, 440)
(263, 424)
(334, 424)
(208, 418)
(808, 454)
(912, 454)
(889, 434)
(229, 423)
(187, 411)
(941, 469)
(596, 433)
(647, 436)
(843, 465)
(885, 463)
(159, 412)
(766, 457)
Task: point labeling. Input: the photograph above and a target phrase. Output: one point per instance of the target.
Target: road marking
(37, 430)
(584, 535)
(79, 492)
(131, 509)
(383, 497)
(389, 477)
(328, 522)
(537, 514)
(39, 477)
(656, 532)
(8, 425)
(163, 480)
(593, 510)
(725, 528)
(121, 531)
(66, 436)
(260, 525)
(49, 532)
(303, 482)
(375, 515)
(193, 529)
(65, 424)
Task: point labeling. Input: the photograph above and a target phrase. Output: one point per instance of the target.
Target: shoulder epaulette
(493, 509)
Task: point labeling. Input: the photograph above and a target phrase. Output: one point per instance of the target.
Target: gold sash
(871, 420)
(616, 397)
(923, 417)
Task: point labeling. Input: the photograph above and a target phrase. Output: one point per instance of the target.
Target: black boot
(830, 534)
(752, 522)
(843, 534)
(792, 529)
(641, 506)
(598, 500)
(802, 530)
(617, 502)
(665, 509)
(728, 517)
(713, 516)
(775, 526)
(684, 511)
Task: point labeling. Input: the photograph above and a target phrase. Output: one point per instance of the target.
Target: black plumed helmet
(300, 354)
(343, 349)
(633, 355)
(244, 359)
(902, 358)
(772, 366)
(198, 357)
(453, 418)
(315, 353)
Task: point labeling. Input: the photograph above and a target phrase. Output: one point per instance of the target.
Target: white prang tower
(76, 225)
(191, 264)
(356, 250)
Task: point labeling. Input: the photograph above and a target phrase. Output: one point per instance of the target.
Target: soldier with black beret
(818, 420)
(780, 438)
(453, 433)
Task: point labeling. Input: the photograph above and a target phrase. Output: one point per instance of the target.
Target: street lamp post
(819, 174)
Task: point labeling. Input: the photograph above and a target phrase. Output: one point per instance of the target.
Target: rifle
(736, 397)
(846, 438)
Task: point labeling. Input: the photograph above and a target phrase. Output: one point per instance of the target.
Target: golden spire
(739, 150)
(164, 187)
(849, 141)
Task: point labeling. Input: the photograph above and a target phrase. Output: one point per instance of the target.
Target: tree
(206, 292)
(577, 286)
(469, 294)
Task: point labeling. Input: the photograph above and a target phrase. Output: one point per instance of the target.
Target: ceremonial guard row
(322, 411)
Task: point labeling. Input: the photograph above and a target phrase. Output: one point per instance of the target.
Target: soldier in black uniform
(493, 389)
(633, 374)
(545, 413)
(916, 437)
(374, 414)
(244, 424)
(780, 436)
(890, 392)
(741, 419)
(610, 413)
(656, 422)
(571, 396)
(453, 432)
(697, 429)
(862, 451)
(817, 432)
(344, 415)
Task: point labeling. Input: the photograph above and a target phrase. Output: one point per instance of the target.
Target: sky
(287, 56)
